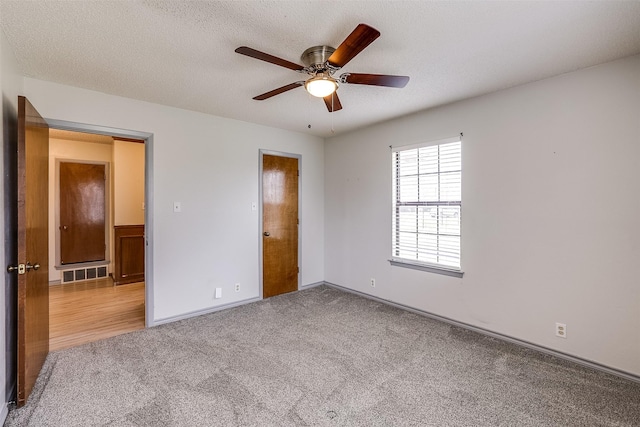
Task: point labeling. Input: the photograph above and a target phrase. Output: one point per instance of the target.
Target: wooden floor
(93, 310)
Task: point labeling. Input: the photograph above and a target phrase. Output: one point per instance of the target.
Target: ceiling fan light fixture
(321, 85)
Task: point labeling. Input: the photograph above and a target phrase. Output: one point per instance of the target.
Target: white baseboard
(507, 338)
(312, 285)
(202, 312)
(220, 307)
(487, 332)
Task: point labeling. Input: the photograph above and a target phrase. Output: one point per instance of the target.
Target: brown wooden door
(82, 212)
(33, 247)
(279, 225)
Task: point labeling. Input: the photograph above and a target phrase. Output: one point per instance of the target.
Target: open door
(33, 251)
(280, 225)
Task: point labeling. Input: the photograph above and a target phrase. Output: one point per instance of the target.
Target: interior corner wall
(210, 164)
(550, 229)
(73, 150)
(11, 85)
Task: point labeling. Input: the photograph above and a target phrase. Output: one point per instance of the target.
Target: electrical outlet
(237, 287)
(561, 330)
(373, 282)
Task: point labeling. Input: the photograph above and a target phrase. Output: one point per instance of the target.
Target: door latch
(20, 268)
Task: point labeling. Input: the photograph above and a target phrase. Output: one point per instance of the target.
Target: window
(427, 202)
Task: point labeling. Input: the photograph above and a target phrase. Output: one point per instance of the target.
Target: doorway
(144, 139)
(279, 187)
(98, 187)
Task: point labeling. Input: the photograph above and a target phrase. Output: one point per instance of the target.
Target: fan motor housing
(316, 56)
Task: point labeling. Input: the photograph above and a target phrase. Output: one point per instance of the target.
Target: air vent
(67, 276)
(81, 274)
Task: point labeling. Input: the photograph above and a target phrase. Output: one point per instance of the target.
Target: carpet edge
(523, 343)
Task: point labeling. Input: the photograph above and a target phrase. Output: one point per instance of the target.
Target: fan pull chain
(333, 96)
(309, 110)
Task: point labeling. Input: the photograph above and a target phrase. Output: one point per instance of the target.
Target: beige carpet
(319, 357)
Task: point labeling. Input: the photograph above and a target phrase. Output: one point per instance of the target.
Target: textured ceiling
(181, 53)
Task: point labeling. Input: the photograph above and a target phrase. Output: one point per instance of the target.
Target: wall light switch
(254, 206)
(177, 207)
(218, 292)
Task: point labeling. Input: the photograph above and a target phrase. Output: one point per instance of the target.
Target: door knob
(266, 234)
(64, 227)
(30, 267)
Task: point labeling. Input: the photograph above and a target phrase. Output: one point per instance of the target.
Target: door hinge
(298, 269)
(298, 173)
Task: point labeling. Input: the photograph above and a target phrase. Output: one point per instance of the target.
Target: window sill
(427, 267)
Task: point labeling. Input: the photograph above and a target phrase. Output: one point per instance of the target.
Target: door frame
(107, 208)
(147, 137)
(260, 213)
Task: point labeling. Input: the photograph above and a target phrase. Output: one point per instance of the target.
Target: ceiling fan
(322, 62)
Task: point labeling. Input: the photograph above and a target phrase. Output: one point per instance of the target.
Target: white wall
(210, 165)
(550, 222)
(128, 179)
(11, 83)
(77, 150)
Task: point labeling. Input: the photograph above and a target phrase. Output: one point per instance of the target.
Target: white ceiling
(181, 53)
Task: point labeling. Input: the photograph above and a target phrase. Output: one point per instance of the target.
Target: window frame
(413, 263)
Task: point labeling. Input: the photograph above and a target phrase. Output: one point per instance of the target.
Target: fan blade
(278, 91)
(375, 79)
(243, 50)
(332, 102)
(360, 38)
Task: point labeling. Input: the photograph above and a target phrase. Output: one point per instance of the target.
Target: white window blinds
(427, 202)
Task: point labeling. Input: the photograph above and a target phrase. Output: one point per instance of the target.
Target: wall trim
(569, 357)
(209, 310)
(312, 285)
(197, 313)
(424, 267)
(108, 205)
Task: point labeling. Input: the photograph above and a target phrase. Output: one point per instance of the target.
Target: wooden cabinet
(129, 254)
